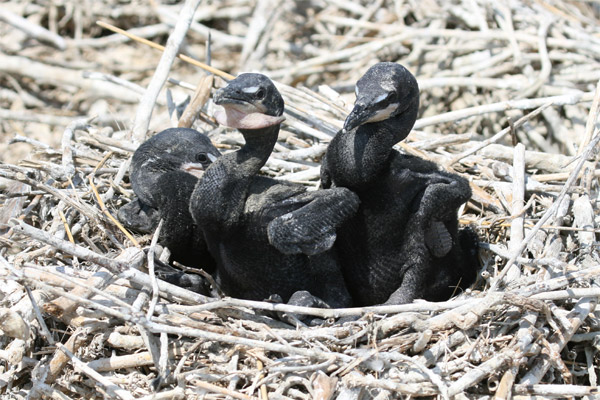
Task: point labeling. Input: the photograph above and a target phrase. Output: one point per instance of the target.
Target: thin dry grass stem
(156, 46)
(109, 215)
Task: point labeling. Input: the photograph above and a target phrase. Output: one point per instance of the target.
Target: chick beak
(357, 117)
(195, 169)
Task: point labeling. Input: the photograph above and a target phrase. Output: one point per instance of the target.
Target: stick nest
(508, 100)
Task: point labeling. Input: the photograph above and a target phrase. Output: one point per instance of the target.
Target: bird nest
(508, 100)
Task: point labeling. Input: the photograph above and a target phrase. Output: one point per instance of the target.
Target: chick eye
(385, 99)
(260, 93)
(201, 157)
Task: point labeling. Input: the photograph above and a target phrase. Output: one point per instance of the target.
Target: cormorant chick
(268, 237)
(404, 242)
(164, 172)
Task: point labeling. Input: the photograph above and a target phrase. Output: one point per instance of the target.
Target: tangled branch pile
(508, 100)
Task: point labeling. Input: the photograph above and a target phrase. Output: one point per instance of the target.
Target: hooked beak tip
(355, 118)
(350, 124)
(219, 96)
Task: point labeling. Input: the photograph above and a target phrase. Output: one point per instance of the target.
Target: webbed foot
(292, 236)
(300, 298)
(193, 282)
(311, 229)
(303, 298)
(438, 239)
(138, 216)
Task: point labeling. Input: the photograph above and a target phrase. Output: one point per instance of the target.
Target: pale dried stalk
(50, 74)
(144, 112)
(517, 203)
(35, 31)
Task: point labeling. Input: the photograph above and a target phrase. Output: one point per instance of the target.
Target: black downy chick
(268, 237)
(404, 242)
(164, 172)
